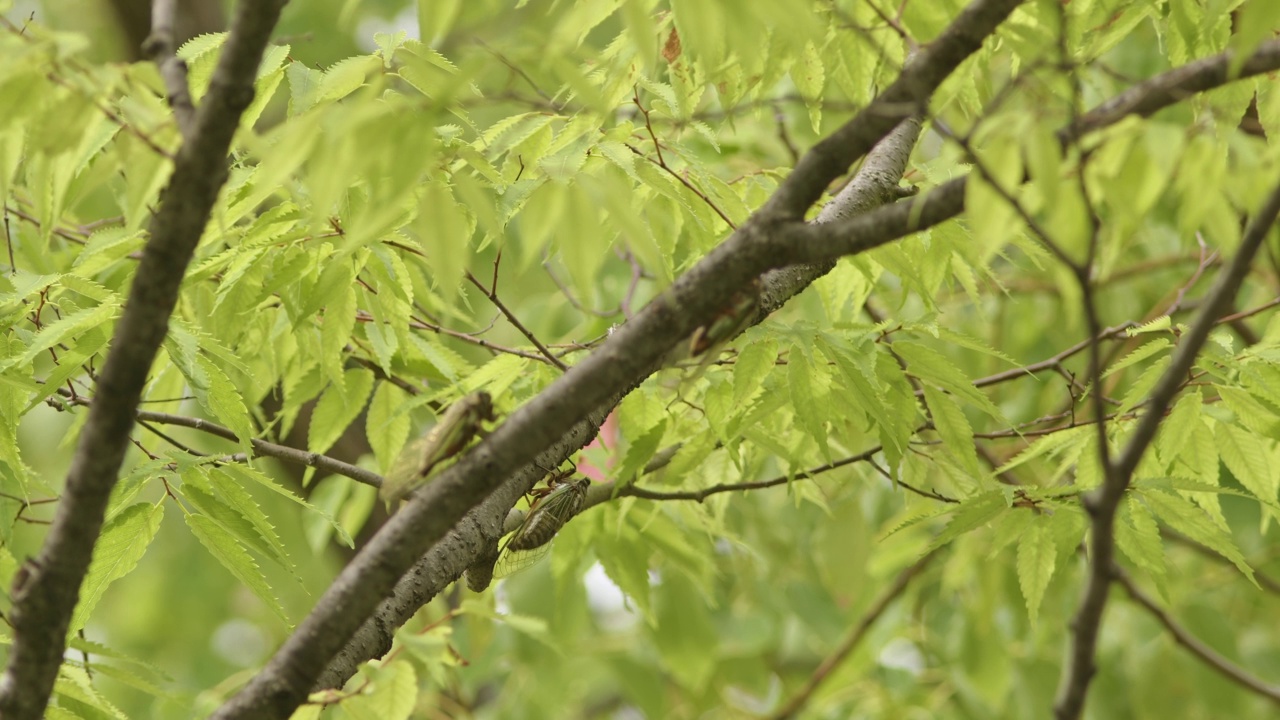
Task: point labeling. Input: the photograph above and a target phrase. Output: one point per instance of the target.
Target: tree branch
(260, 447)
(443, 564)
(908, 96)
(575, 401)
(161, 46)
(1225, 667)
(850, 643)
(44, 600)
(632, 353)
(1102, 504)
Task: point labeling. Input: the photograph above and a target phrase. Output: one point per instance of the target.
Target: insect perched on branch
(420, 458)
(528, 543)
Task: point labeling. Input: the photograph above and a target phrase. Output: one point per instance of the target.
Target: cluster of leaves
(382, 210)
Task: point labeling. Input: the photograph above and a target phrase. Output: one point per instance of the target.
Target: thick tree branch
(850, 643)
(446, 561)
(1172, 87)
(632, 353)
(1102, 505)
(44, 600)
(1193, 644)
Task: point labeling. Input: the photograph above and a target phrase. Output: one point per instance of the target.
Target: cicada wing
(514, 561)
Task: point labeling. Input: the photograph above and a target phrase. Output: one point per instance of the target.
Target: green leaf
(444, 231)
(222, 399)
(639, 453)
(388, 423)
(1191, 521)
(335, 331)
(810, 407)
(626, 561)
(953, 427)
(970, 515)
(68, 327)
(338, 407)
(1138, 355)
(1138, 537)
(122, 543)
(1037, 557)
(1176, 430)
(227, 550)
(755, 361)
(932, 366)
(1250, 459)
(248, 473)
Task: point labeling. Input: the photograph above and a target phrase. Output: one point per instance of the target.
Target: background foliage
(404, 215)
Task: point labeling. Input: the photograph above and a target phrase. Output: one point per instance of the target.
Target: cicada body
(531, 541)
(457, 428)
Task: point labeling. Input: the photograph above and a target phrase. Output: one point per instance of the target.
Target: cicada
(456, 429)
(529, 542)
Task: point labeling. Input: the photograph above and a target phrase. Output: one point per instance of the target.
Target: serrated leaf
(932, 366)
(1160, 324)
(224, 547)
(252, 474)
(1138, 537)
(1037, 557)
(626, 562)
(640, 452)
(122, 543)
(1140, 388)
(1249, 458)
(345, 77)
(971, 514)
(444, 234)
(1193, 522)
(335, 331)
(60, 330)
(1177, 428)
(808, 76)
(387, 425)
(1138, 355)
(754, 362)
(809, 408)
(338, 407)
(953, 427)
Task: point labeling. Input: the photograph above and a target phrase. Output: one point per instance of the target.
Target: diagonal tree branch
(908, 96)
(1225, 667)
(632, 353)
(46, 594)
(443, 564)
(852, 640)
(1102, 505)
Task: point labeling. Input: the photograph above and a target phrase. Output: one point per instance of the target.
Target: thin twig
(492, 294)
(260, 447)
(855, 636)
(1194, 645)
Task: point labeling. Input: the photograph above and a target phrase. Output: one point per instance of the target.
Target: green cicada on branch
(457, 428)
(529, 542)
